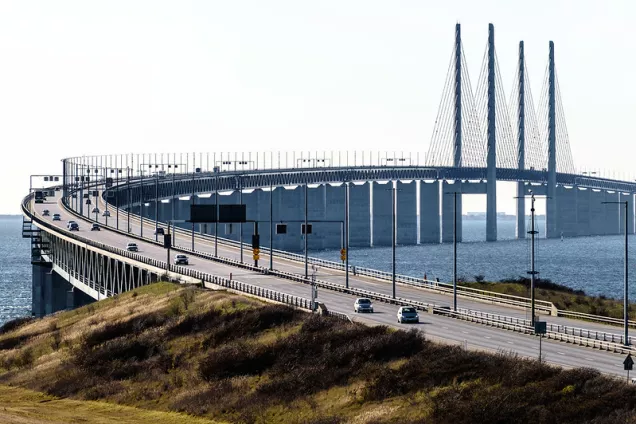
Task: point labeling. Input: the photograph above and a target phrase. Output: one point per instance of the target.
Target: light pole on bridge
(625, 276)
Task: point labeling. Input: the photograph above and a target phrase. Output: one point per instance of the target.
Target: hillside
(228, 358)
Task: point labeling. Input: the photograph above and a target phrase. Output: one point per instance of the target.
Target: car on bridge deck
(56, 217)
(407, 314)
(95, 210)
(181, 260)
(68, 224)
(159, 231)
(132, 247)
(95, 227)
(73, 227)
(362, 304)
(106, 213)
(45, 212)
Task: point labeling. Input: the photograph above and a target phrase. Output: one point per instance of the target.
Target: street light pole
(625, 274)
(393, 239)
(271, 225)
(141, 204)
(346, 235)
(216, 221)
(533, 272)
(156, 205)
(306, 231)
(455, 252)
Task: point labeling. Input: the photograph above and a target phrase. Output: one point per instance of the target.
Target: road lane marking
(560, 353)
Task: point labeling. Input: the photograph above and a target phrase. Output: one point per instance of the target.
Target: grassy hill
(187, 352)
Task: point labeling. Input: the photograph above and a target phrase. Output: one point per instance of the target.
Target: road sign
(256, 254)
(343, 254)
(540, 327)
(628, 363)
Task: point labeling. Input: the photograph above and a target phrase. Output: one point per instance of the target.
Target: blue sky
(90, 77)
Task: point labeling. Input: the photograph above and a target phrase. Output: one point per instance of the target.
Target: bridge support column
(229, 231)
(429, 212)
(316, 201)
(551, 218)
(629, 198)
(583, 215)
(598, 213)
(289, 206)
(382, 214)
(334, 211)
(566, 211)
(406, 213)
(448, 219)
(521, 210)
(41, 277)
(359, 215)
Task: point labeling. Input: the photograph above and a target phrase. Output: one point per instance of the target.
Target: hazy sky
(92, 77)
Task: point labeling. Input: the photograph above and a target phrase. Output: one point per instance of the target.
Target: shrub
(15, 324)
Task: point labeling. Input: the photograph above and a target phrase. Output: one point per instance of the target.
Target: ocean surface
(15, 270)
(594, 264)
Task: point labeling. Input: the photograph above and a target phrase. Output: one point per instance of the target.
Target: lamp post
(625, 281)
(454, 193)
(306, 231)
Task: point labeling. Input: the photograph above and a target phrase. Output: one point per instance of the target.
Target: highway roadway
(206, 244)
(436, 327)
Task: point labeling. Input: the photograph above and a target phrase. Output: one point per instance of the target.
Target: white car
(407, 314)
(362, 304)
(181, 260)
(132, 247)
(56, 217)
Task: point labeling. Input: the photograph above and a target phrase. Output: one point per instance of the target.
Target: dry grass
(21, 406)
(234, 359)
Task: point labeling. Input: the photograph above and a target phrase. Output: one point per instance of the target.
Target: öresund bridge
(351, 199)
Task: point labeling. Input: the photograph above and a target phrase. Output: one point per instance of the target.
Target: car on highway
(362, 304)
(132, 247)
(95, 210)
(73, 227)
(106, 213)
(71, 222)
(407, 314)
(159, 231)
(95, 227)
(181, 260)
(56, 217)
(40, 200)
(88, 201)
(45, 212)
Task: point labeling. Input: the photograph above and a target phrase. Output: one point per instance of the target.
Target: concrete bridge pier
(289, 206)
(41, 277)
(429, 212)
(567, 219)
(382, 233)
(406, 213)
(598, 213)
(583, 216)
(629, 198)
(522, 191)
(316, 202)
(448, 219)
(334, 211)
(359, 215)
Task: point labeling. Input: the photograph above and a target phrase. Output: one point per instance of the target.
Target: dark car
(73, 227)
(159, 231)
(45, 212)
(95, 227)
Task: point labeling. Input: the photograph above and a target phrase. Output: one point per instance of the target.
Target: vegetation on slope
(562, 297)
(235, 359)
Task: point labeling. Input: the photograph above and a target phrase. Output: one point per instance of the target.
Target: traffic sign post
(540, 328)
(628, 364)
(343, 255)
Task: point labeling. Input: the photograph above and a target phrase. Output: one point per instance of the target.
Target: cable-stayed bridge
(351, 198)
